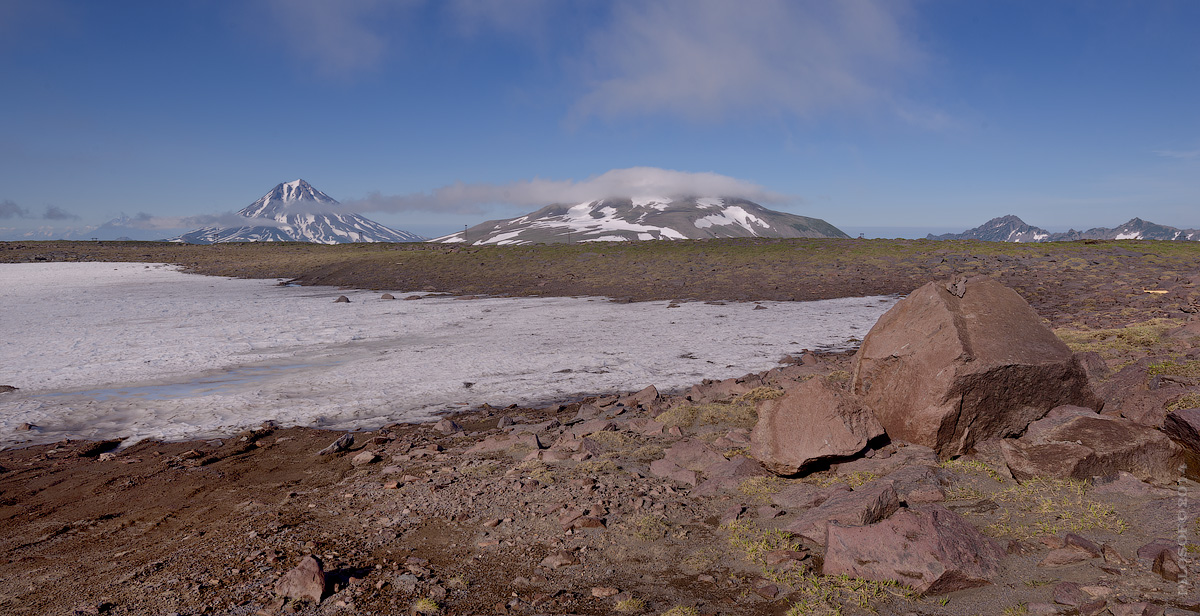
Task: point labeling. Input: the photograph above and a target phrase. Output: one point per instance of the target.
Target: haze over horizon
(874, 115)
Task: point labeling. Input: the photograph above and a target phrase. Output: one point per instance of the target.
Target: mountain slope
(1013, 229)
(297, 212)
(644, 219)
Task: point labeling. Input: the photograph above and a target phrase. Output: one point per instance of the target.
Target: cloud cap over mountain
(471, 198)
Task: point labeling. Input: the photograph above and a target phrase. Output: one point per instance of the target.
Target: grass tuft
(1175, 368)
(762, 487)
(425, 605)
(1046, 507)
(631, 605)
(974, 467)
(1142, 336)
(1186, 401)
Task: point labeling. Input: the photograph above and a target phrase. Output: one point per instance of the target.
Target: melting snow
(1131, 235)
(104, 350)
(733, 215)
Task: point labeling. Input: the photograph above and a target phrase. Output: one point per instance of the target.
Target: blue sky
(890, 117)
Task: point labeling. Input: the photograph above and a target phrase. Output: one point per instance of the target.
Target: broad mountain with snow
(297, 212)
(1013, 229)
(623, 219)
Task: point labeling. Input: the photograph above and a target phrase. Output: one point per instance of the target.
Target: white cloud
(708, 58)
(337, 36)
(1178, 154)
(461, 198)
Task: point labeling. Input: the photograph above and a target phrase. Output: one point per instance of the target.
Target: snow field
(118, 350)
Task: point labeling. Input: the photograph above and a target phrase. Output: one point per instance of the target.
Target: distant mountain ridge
(297, 212)
(1012, 229)
(648, 218)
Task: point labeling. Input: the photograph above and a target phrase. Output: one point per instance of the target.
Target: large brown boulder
(933, 550)
(1079, 444)
(955, 363)
(815, 422)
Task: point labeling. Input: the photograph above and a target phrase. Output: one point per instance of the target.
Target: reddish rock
(908, 455)
(813, 423)
(1063, 557)
(1184, 426)
(933, 550)
(1084, 446)
(447, 426)
(644, 398)
(1125, 483)
(1166, 564)
(868, 504)
(944, 369)
(505, 441)
(670, 470)
(1068, 593)
(693, 454)
(806, 495)
(306, 580)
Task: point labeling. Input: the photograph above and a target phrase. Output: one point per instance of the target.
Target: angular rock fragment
(447, 426)
(868, 504)
(1083, 446)
(693, 454)
(931, 549)
(306, 580)
(944, 371)
(1183, 425)
(813, 423)
(343, 443)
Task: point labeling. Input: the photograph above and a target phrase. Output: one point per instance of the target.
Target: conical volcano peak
(295, 196)
(296, 212)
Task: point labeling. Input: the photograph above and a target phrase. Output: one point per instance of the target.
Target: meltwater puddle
(225, 383)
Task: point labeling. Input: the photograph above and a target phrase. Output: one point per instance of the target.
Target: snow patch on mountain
(644, 218)
(1013, 229)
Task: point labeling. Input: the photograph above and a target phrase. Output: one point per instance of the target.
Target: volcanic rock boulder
(933, 550)
(955, 363)
(305, 581)
(814, 422)
(1184, 426)
(1081, 445)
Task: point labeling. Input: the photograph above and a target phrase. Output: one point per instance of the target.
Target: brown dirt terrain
(208, 527)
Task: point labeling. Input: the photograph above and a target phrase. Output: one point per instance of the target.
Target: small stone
(391, 485)
(1166, 565)
(363, 458)
(1112, 556)
(447, 426)
(765, 589)
(306, 580)
(387, 296)
(107, 456)
(1084, 545)
(342, 299)
(341, 444)
(1068, 593)
(1063, 557)
(558, 560)
(602, 592)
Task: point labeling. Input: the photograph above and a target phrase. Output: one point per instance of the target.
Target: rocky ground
(630, 502)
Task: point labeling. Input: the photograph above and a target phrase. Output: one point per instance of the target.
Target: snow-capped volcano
(1012, 229)
(297, 212)
(648, 218)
